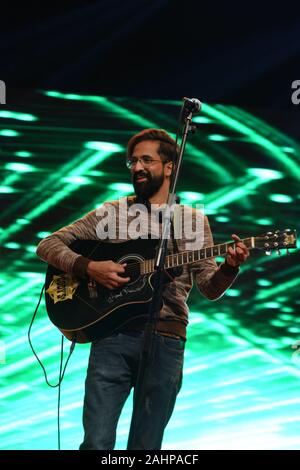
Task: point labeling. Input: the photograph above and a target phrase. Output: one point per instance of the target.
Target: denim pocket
(173, 344)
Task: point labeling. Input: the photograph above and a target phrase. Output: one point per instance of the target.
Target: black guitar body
(84, 310)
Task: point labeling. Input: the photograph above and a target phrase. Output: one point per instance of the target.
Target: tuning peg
(268, 252)
(278, 251)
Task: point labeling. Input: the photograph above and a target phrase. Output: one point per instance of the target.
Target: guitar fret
(187, 257)
(208, 252)
(223, 249)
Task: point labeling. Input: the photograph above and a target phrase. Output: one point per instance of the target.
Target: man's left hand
(235, 257)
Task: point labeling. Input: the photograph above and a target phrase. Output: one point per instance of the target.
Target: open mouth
(141, 178)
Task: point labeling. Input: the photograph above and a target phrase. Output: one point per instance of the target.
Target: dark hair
(167, 149)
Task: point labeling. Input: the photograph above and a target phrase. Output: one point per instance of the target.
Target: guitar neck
(189, 257)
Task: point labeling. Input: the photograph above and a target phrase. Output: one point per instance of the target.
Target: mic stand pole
(156, 302)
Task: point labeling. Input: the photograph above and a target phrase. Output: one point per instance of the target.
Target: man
(114, 361)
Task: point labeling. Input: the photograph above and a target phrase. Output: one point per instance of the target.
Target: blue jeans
(112, 372)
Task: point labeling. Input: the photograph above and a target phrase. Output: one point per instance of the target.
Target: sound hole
(136, 283)
(132, 269)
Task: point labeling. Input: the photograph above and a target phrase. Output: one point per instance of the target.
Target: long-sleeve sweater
(211, 280)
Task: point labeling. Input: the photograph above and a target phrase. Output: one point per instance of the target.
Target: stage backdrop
(62, 155)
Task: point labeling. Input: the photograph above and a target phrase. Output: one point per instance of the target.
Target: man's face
(148, 179)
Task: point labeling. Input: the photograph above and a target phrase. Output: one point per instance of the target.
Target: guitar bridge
(92, 289)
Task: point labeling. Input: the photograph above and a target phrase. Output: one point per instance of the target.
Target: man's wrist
(80, 267)
(229, 270)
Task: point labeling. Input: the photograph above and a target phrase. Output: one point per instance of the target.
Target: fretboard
(189, 257)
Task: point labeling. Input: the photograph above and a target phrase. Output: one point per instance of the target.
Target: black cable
(59, 391)
(61, 369)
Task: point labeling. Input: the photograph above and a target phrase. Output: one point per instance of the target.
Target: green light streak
(187, 197)
(103, 146)
(124, 188)
(222, 114)
(264, 282)
(9, 133)
(241, 188)
(89, 159)
(23, 154)
(20, 167)
(284, 286)
(43, 234)
(202, 119)
(77, 180)
(253, 409)
(18, 116)
(7, 190)
(217, 137)
(283, 198)
(12, 246)
(109, 105)
(9, 180)
(199, 157)
(20, 287)
(264, 221)
(233, 292)
(222, 219)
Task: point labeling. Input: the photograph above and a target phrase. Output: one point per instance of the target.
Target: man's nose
(138, 166)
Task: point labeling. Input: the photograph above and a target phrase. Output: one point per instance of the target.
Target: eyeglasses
(145, 160)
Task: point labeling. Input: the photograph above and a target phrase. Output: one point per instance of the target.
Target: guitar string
(133, 267)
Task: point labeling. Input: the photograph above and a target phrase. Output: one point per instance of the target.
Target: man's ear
(168, 169)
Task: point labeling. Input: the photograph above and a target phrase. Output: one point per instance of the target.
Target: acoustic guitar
(84, 310)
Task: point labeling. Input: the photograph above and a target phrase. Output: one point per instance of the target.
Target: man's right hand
(106, 273)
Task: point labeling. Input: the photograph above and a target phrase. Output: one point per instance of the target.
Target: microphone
(192, 105)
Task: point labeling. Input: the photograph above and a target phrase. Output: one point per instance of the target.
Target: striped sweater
(211, 280)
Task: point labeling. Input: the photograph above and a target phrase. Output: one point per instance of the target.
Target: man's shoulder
(121, 201)
(193, 211)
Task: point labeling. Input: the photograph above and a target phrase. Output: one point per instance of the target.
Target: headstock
(276, 241)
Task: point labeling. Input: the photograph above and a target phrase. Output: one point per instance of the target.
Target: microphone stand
(187, 110)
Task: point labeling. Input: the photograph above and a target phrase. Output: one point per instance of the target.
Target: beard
(146, 189)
